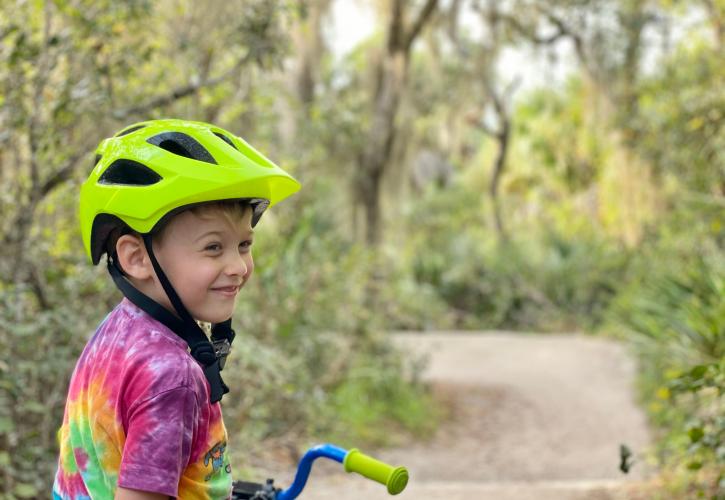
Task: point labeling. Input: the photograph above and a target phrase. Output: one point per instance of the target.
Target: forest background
(441, 190)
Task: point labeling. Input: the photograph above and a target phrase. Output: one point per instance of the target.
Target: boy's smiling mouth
(229, 291)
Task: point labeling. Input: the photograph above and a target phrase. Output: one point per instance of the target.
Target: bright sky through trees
(354, 20)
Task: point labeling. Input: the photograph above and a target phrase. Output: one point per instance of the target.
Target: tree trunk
(501, 134)
(310, 45)
(374, 160)
(498, 167)
(302, 75)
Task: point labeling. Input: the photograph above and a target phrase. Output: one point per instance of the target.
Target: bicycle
(394, 478)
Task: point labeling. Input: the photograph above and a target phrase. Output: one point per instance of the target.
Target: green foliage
(307, 278)
(682, 106)
(541, 278)
(575, 150)
(684, 311)
(706, 385)
(678, 320)
(41, 346)
(377, 394)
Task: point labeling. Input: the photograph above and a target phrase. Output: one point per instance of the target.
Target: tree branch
(396, 26)
(181, 92)
(567, 32)
(60, 175)
(423, 17)
(38, 288)
(716, 19)
(40, 81)
(531, 32)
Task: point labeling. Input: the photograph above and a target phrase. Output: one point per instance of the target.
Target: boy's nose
(238, 265)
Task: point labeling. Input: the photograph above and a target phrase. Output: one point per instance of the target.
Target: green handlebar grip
(395, 478)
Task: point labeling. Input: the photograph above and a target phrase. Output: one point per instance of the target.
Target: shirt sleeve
(158, 441)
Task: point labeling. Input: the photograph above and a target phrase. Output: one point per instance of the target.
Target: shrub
(677, 320)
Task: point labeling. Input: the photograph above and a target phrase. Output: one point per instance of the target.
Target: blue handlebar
(303, 470)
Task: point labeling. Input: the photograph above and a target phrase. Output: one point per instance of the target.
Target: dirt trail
(534, 417)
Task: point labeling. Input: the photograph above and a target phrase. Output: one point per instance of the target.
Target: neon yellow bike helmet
(152, 168)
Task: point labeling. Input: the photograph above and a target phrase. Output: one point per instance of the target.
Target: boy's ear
(132, 257)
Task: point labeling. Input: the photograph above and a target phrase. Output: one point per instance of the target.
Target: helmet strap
(211, 355)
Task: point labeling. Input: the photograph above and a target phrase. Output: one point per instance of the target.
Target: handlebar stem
(303, 470)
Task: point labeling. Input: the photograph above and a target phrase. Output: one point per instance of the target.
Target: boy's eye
(245, 245)
(214, 247)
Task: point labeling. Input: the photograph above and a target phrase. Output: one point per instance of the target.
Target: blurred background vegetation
(468, 164)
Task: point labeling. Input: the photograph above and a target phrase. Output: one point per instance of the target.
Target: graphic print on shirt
(216, 457)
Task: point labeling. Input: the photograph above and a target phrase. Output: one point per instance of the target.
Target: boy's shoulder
(129, 327)
(140, 347)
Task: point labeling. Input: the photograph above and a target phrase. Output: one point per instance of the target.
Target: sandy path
(534, 417)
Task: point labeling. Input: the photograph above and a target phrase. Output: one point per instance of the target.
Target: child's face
(207, 256)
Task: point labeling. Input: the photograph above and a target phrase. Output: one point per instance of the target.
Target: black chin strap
(211, 355)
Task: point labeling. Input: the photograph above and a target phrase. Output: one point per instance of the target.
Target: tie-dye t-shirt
(138, 416)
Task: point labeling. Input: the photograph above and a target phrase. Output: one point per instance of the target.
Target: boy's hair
(230, 208)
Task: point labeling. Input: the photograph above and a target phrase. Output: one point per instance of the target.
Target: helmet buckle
(222, 348)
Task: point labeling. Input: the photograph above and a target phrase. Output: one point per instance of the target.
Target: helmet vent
(98, 158)
(129, 130)
(182, 145)
(226, 139)
(130, 173)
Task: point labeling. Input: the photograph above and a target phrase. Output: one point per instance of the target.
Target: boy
(172, 203)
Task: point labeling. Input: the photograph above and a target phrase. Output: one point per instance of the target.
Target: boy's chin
(213, 316)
